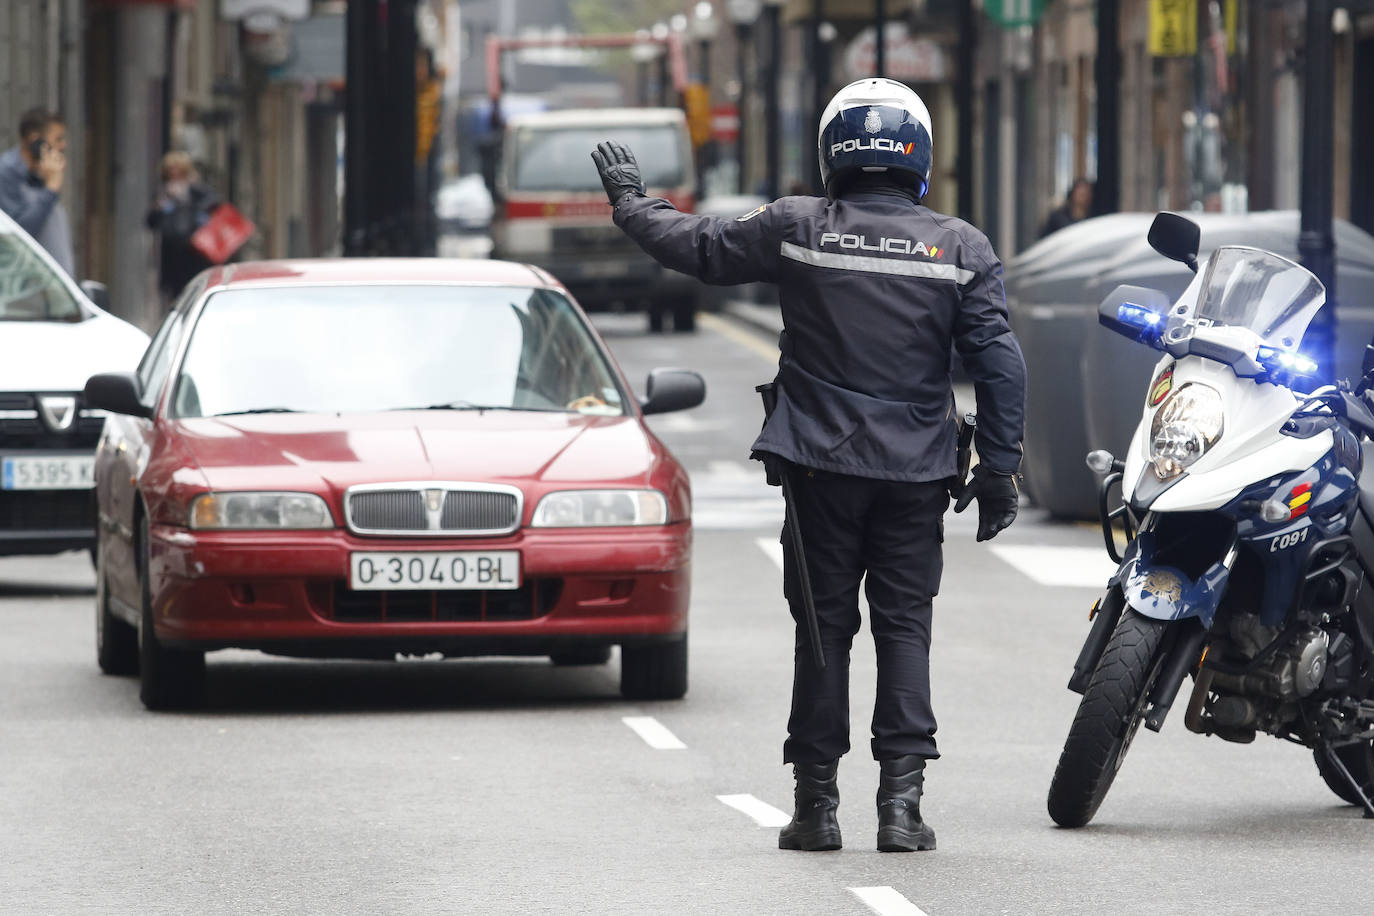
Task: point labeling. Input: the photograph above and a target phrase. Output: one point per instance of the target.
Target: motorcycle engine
(1294, 671)
(1266, 698)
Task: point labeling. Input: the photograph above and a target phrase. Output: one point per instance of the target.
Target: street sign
(1173, 28)
(725, 123)
(912, 60)
(1010, 14)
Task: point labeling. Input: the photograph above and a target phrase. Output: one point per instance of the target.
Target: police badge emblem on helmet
(873, 122)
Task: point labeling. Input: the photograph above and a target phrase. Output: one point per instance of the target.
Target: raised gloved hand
(997, 500)
(619, 170)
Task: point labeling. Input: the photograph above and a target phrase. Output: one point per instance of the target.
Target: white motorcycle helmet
(875, 125)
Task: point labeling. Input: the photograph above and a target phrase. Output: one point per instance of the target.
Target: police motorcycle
(1249, 557)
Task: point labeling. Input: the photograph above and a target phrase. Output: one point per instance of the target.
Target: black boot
(900, 828)
(813, 826)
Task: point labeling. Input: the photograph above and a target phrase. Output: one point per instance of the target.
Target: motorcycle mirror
(1176, 237)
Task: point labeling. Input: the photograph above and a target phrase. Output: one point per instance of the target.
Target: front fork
(1182, 648)
(1184, 642)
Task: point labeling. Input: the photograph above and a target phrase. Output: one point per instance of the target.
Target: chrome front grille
(23, 425)
(432, 508)
(477, 510)
(388, 510)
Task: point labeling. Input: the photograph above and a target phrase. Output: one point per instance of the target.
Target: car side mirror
(116, 392)
(98, 293)
(1176, 237)
(672, 389)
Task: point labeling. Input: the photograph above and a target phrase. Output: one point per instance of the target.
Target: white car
(52, 338)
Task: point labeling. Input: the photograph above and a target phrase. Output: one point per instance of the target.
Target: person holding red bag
(183, 205)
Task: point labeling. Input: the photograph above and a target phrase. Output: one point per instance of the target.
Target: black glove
(997, 500)
(619, 170)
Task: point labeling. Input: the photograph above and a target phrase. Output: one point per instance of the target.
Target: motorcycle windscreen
(1254, 289)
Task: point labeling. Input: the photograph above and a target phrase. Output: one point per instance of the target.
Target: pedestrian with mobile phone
(31, 179)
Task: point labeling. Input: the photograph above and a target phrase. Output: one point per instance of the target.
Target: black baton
(964, 457)
(779, 471)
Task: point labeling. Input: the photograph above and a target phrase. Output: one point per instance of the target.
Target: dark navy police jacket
(876, 290)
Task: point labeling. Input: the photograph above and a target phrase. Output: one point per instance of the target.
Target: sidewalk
(766, 318)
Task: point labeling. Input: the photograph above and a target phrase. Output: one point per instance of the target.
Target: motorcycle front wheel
(1112, 709)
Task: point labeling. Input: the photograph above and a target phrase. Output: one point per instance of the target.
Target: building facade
(136, 78)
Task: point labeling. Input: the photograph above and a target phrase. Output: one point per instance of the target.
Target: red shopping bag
(223, 234)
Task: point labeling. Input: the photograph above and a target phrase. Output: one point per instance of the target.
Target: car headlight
(596, 508)
(260, 511)
(1184, 427)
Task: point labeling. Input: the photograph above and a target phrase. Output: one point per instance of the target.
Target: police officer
(876, 290)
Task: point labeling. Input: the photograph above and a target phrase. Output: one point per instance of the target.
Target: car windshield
(1251, 288)
(372, 348)
(555, 158)
(30, 290)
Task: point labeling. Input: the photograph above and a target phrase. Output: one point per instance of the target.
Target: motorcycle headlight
(1184, 427)
(600, 508)
(259, 511)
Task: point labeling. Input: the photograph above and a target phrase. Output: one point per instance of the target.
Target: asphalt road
(510, 786)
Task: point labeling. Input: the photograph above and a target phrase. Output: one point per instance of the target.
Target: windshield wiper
(465, 405)
(239, 413)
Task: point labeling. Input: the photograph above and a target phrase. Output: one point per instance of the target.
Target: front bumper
(288, 593)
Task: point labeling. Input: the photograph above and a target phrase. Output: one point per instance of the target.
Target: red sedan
(364, 458)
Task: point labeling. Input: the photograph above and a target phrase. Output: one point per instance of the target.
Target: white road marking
(733, 496)
(1070, 567)
(764, 814)
(772, 547)
(654, 733)
(886, 902)
(736, 517)
(734, 470)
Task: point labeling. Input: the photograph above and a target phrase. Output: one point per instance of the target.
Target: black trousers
(893, 532)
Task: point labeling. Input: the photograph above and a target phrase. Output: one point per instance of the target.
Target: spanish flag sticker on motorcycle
(1162, 385)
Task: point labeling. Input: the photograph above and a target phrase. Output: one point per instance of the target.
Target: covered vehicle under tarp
(1086, 383)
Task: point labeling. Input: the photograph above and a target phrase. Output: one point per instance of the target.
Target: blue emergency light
(1147, 321)
(1282, 362)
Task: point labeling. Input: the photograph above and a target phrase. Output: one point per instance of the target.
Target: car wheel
(116, 642)
(654, 672)
(170, 678)
(582, 655)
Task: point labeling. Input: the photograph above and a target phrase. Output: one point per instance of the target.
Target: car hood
(60, 356)
(303, 451)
